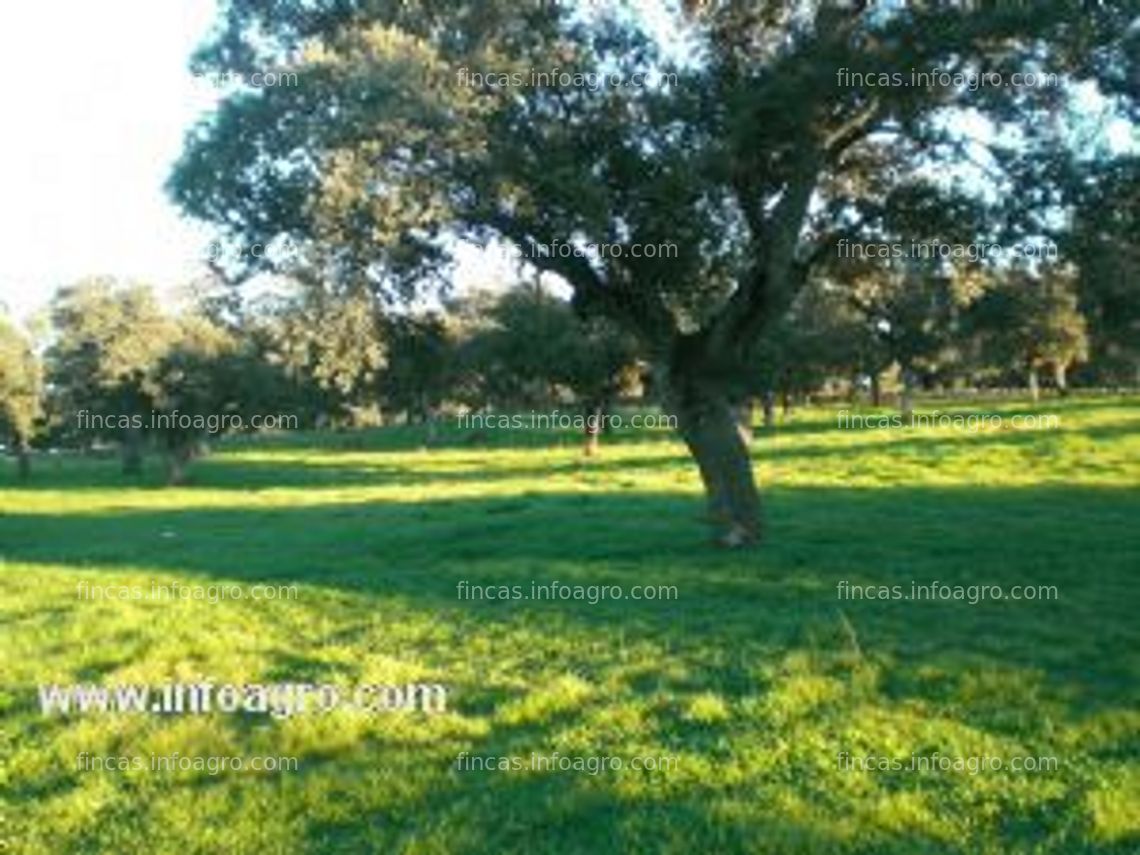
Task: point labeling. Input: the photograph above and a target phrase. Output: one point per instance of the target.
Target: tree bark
(1061, 378)
(593, 416)
(1034, 384)
(876, 390)
(711, 430)
(906, 400)
(743, 412)
(175, 471)
(23, 459)
(177, 460)
(132, 451)
(769, 405)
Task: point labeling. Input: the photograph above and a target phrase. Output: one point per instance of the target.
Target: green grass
(755, 678)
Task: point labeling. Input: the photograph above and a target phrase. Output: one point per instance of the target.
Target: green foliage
(423, 365)
(533, 348)
(1032, 320)
(21, 385)
(194, 389)
(772, 139)
(124, 368)
(821, 336)
(1104, 244)
(396, 139)
(333, 344)
(108, 337)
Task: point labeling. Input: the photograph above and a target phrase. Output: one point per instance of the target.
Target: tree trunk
(710, 429)
(609, 395)
(906, 400)
(1034, 384)
(769, 404)
(594, 415)
(1061, 378)
(786, 402)
(132, 451)
(876, 390)
(177, 459)
(175, 471)
(23, 459)
(743, 413)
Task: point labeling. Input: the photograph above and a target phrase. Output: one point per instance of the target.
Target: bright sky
(97, 96)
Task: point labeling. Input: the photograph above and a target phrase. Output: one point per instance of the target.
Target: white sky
(97, 97)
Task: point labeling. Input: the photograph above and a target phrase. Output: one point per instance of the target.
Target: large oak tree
(768, 132)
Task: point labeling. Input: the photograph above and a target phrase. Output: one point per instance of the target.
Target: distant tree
(818, 337)
(516, 348)
(534, 349)
(908, 315)
(1030, 321)
(332, 343)
(21, 392)
(601, 363)
(1104, 245)
(196, 390)
(421, 367)
(108, 337)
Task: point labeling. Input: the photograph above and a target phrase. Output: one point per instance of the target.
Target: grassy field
(754, 679)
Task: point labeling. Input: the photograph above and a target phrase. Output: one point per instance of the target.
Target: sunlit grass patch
(755, 678)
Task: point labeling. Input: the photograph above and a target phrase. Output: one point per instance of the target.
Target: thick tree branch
(767, 289)
(635, 309)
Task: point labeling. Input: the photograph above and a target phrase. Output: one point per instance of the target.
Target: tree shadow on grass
(733, 635)
(765, 633)
(459, 556)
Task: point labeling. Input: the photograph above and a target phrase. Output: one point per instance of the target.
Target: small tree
(109, 336)
(1029, 321)
(420, 368)
(818, 336)
(21, 392)
(521, 348)
(600, 364)
(534, 347)
(331, 343)
(194, 389)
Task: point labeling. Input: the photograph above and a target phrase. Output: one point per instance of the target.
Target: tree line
(111, 366)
